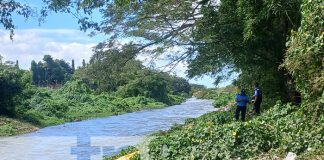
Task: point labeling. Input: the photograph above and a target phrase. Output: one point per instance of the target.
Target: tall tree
(42, 73)
(248, 37)
(112, 68)
(73, 67)
(17, 64)
(305, 59)
(1, 59)
(152, 84)
(35, 72)
(10, 86)
(51, 71)
(83, 63)
(180, 85)
(244, 36)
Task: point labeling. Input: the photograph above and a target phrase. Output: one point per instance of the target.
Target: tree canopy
(50, 71)
(11, 84)
(247, 37)
(214, 37)
(116, 69)
(304, 58)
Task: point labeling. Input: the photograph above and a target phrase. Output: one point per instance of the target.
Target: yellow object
(234, 133)
(189, 126)
(128, 156)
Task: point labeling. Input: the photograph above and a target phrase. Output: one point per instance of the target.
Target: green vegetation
(10, 86)
(82, 97)
(124, 152)
(9, 126)
(304, 58)
(51, 71)
(283, 128)
(249, 38)
(75, 101)
(277, 43)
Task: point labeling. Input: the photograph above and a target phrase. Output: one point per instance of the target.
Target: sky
(60, 37)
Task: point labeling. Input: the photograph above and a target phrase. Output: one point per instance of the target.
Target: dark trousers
(256, 108)
(241, 109)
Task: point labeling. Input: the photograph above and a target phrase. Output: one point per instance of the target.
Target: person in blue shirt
(241, 101)
(257, 97)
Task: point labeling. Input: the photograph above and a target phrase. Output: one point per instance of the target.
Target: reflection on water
(91, 139)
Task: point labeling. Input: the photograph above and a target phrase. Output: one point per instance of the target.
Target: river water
(92, 139)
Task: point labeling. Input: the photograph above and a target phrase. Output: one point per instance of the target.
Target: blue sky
(60, 37)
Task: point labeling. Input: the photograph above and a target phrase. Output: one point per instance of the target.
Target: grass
(10, 127)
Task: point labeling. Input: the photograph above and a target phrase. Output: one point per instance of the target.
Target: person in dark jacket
(241, 101)
(257, 99)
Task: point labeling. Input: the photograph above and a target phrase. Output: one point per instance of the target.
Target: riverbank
(280, 130)
(97, 106)
(216, 135)
(110, 133)
(10, 127)
(283, 128)
(13, 126)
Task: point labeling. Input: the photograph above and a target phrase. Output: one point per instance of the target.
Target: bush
(52, 108)
(304, 56)
(176, 99)
(10, 86)
(6, 130)
(223, 98)
(76, 86)
(151, 86)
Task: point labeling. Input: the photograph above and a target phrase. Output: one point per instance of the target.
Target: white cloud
(33, 44)
(68, 44)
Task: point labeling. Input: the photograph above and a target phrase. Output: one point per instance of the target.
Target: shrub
(304, 56)
(6, 130)
(52, 108)
(223, 98)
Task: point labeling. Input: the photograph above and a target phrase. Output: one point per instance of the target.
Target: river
(94, 138)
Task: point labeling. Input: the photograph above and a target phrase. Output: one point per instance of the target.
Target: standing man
(241, 100)
(257, 97)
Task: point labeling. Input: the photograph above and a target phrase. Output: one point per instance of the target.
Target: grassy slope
(283, 128)
(9, 126)
(55, 109)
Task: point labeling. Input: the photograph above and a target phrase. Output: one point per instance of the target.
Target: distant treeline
(114, 73)
(51, 71)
